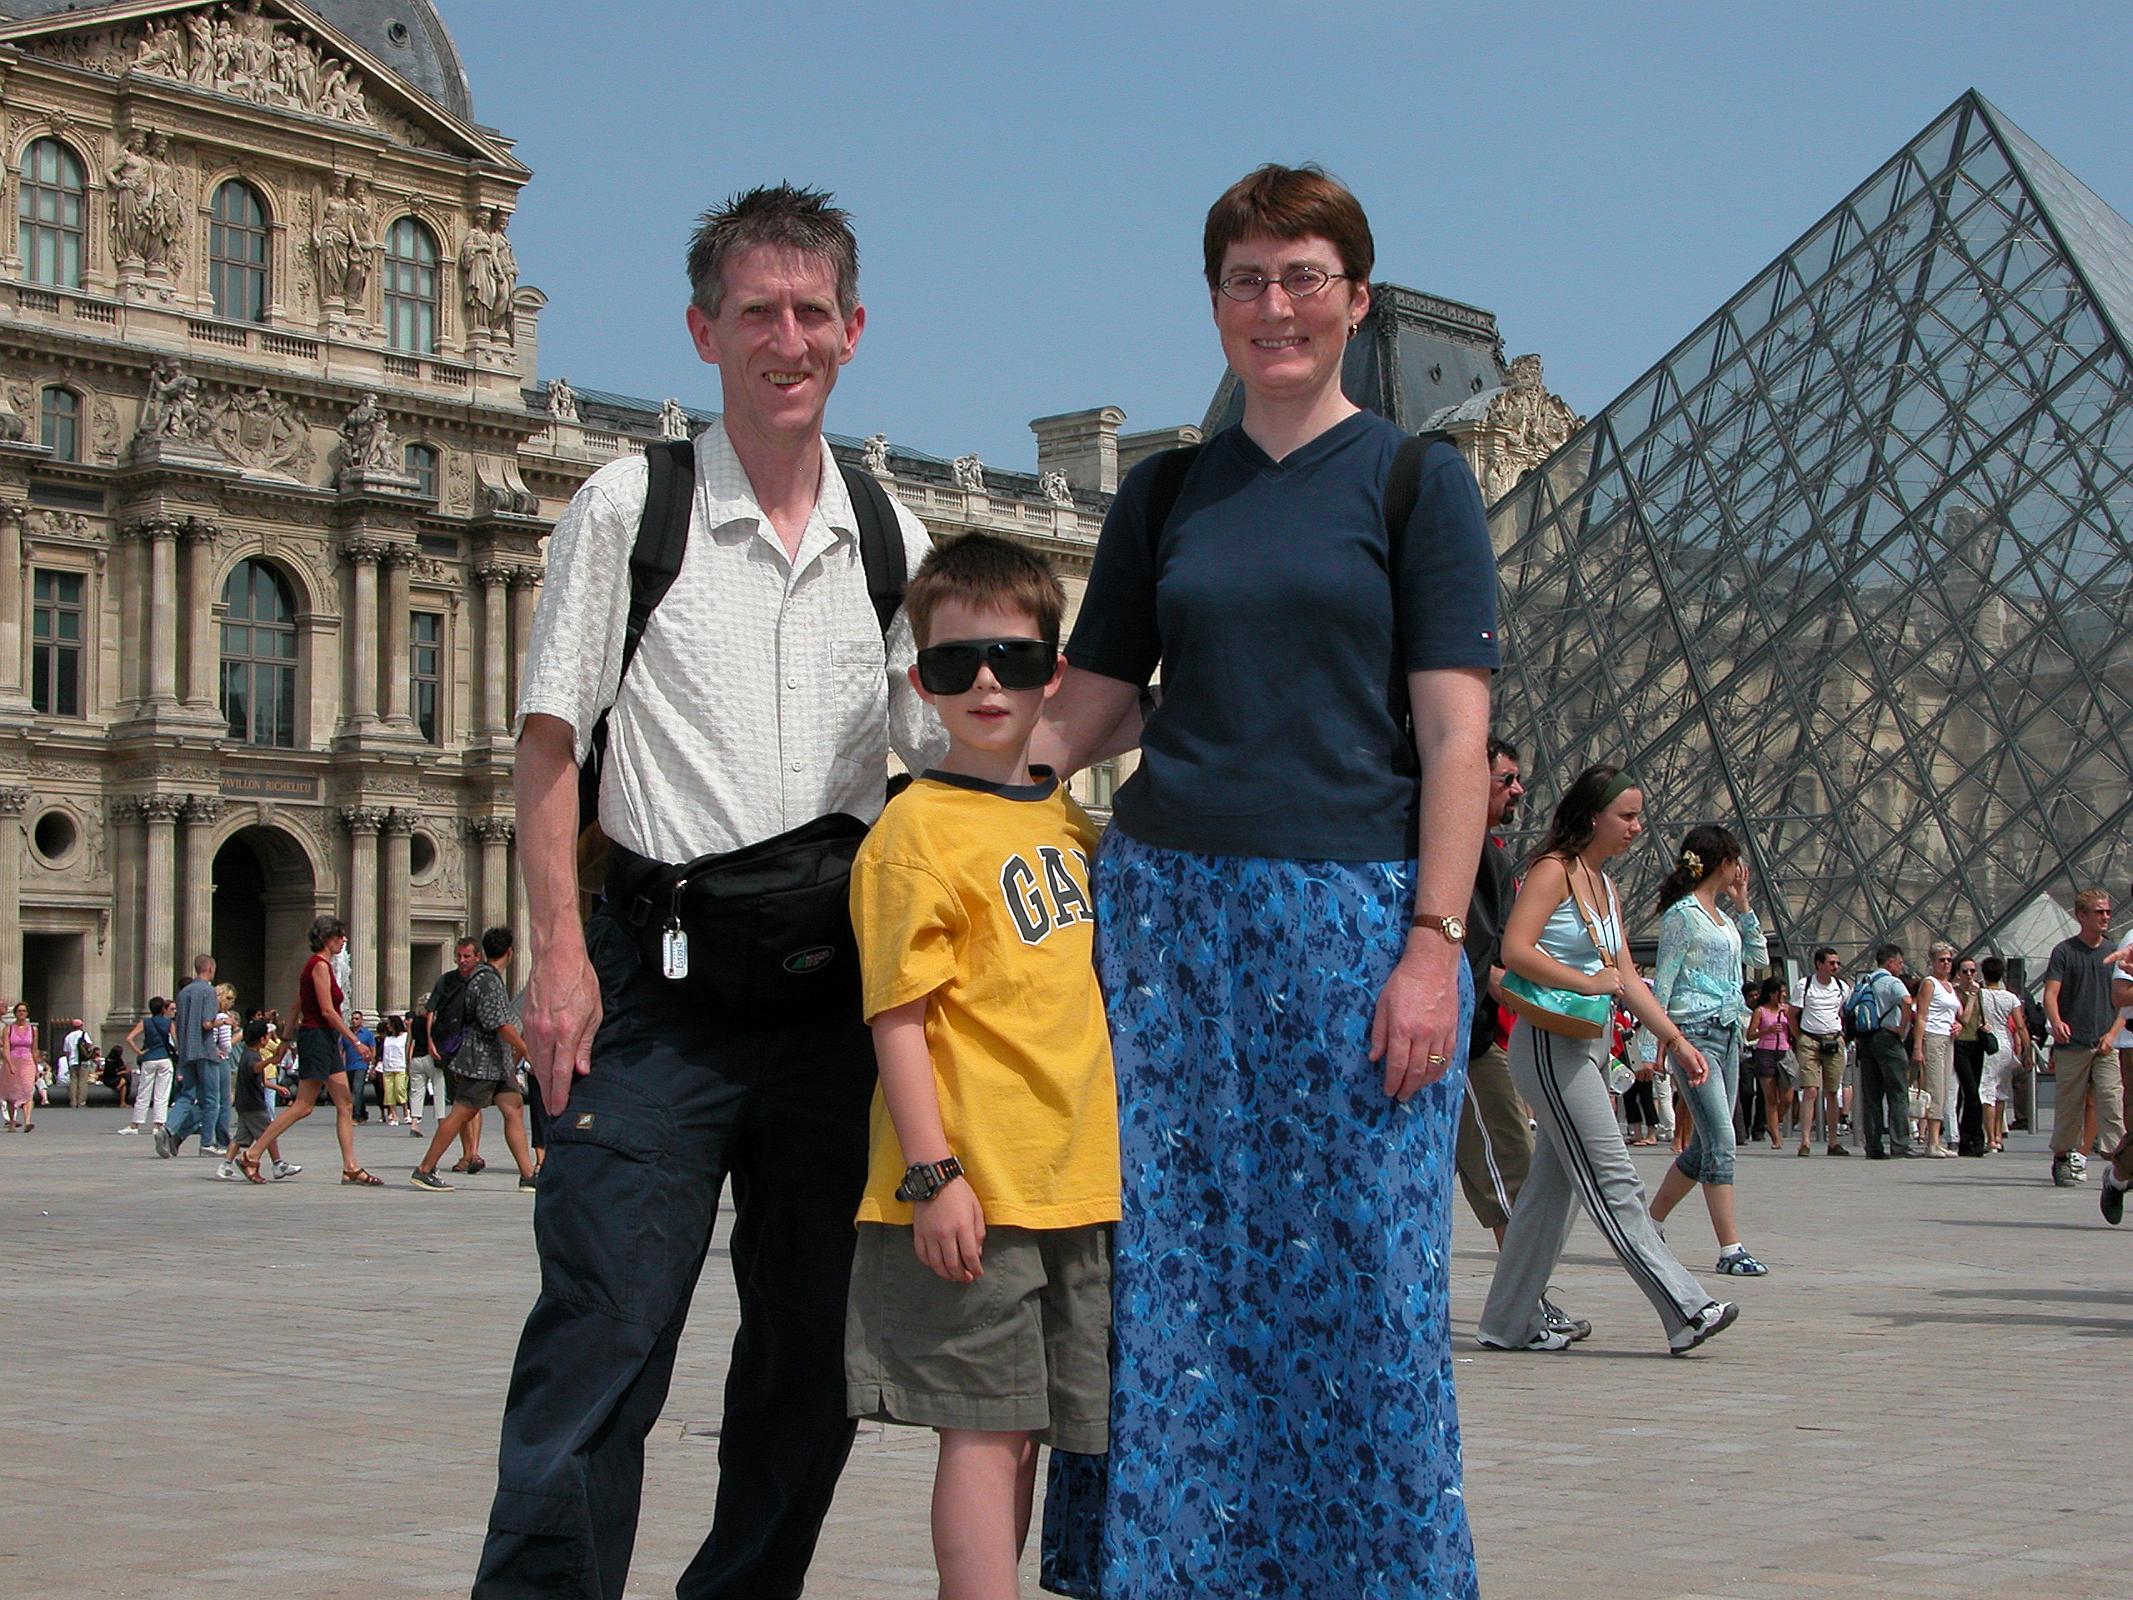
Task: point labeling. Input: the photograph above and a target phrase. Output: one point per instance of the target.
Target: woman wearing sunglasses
(1281, 958)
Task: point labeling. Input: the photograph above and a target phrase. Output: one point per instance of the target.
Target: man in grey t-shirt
(2077, 1004)
(203, 1097)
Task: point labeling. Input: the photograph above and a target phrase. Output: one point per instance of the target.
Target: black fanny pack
(760, 936)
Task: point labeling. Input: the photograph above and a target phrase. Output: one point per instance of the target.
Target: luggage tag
(674, 940)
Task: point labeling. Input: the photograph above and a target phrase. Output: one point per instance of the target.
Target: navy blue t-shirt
(1282, 730)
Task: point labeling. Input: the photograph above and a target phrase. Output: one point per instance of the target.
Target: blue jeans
(217, 1120)
(185, 1102)
(1709, 1157)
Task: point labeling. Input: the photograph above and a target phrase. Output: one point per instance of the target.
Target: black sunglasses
(1015, 664)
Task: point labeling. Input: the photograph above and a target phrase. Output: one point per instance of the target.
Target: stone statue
(161, 52)
(969, 474)
(673, 421)
(172, 409)
(340, 94)
(874, 454)
(1055, 488)
(258, 431)
(146, 218)
(1525, 424)
(343, 244)
(368, 444)
(488, 273)
(562, 400)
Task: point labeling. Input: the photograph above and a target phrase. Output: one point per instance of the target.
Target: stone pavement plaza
(293, 1391)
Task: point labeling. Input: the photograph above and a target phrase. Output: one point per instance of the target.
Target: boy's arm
(947, 1231)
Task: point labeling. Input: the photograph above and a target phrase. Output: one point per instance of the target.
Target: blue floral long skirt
(1283, 1423)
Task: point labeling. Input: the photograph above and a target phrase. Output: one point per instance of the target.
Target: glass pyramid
(1849, 570)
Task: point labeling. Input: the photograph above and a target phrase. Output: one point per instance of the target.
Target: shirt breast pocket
(854, 655)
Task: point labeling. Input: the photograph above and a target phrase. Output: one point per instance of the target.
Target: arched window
(52, 208)
(411, 288)
(59, 422)
(259, 656)
(237, 253)
(421, 465)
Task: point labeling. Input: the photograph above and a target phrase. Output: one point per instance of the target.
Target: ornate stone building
(275, 470)
(276, 464)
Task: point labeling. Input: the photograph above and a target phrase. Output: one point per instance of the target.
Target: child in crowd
(392, 1056)
(993, 1178)
(249, 1072)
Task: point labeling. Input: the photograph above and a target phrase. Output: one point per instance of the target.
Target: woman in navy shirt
(1281, 958)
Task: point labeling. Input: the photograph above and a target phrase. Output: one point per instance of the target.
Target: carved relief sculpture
(969, 474)
(1524, 426)
(562, 400)
(673, 421)
(14, 420)
(104, 429)
(241, 52)
(488, 274)
(874, 454)
(342, 243)
(368, 445)
(147, 216)
(172, 409)
(260, 432)
(1055, 488)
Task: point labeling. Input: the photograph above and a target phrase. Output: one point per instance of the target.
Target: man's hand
(562, 1015)
(1416, 1022)
(948, 1233)
(2061, 1033)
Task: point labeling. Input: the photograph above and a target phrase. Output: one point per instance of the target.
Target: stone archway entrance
(264, 901)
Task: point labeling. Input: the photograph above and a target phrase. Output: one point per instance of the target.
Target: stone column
(525, 592)
(359, 700)
(13, 803)
(492, 661)
(197, 857)
(159, 890)
(392, 919)
(495, 836)
(129, 993)
(11, 614)
(397, 664)
(160, 535)
(361, 912)
(201, 655)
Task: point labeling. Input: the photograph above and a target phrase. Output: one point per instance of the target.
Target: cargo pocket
(611, 1223)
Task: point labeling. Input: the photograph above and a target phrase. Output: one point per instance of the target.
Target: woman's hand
(1416, 1022)
(948, 1232)
(1693, 1066)
(1608, 980)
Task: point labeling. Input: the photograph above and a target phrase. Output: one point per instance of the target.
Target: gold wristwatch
(1453, 928)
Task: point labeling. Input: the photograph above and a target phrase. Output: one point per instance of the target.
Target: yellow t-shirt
(978, 897)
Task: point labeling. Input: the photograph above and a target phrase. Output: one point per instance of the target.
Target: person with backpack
(436, 1029)
(722, 620)
(1283, 893)
(1878, 1014)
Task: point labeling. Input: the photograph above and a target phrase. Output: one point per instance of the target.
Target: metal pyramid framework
(1849, 571)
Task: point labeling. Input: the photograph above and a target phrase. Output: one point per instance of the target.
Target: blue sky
(1028, 181)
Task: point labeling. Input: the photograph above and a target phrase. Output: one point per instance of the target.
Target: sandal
(361, 1177)
(248, 1164)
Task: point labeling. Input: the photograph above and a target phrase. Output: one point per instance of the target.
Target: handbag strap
(1608, 957)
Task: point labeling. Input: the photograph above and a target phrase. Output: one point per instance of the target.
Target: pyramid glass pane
(1849, 570)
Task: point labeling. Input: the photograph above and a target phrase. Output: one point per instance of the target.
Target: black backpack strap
(655, 561)
(881, 541)
(1172, 468)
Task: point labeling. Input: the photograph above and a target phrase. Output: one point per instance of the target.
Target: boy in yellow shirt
(981, 1289)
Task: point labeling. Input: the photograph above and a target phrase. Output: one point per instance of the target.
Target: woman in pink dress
(18, 1078)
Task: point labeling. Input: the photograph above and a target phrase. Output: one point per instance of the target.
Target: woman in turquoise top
(1698, 980)
(1565, 932)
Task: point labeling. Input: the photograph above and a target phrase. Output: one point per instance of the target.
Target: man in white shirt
(766, 694)
(1817, 1007)
(71, 1050)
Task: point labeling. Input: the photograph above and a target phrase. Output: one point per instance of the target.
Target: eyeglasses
(1966, 972)
(1300, 282)
(1503, 780)
(1014, 663)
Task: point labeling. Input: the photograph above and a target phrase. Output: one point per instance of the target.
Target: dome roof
(407, 36)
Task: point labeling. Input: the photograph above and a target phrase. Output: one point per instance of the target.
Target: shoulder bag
(1563, 1012)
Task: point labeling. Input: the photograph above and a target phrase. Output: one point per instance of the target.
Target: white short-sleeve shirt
(763, 695)
(1821, 1004)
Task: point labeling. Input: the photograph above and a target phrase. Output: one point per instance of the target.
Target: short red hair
(1277, 202)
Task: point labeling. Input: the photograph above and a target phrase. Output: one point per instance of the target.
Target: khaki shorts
(1025, 1349)
(1813, 1068)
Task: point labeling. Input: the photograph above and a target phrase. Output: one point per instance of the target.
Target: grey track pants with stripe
(1578, 1157)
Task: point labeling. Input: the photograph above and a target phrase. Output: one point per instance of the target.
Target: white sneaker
(131, 1127)
(285, 1169)
(228, 1169)
(1713, 1318)
(2080, 1164)
(1546, 1339)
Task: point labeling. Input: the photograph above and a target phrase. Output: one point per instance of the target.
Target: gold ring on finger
(1438, 1061)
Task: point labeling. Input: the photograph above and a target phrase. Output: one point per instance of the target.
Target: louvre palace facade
(276, 464)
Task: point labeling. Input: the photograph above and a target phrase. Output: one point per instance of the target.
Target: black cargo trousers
(675, 1105)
